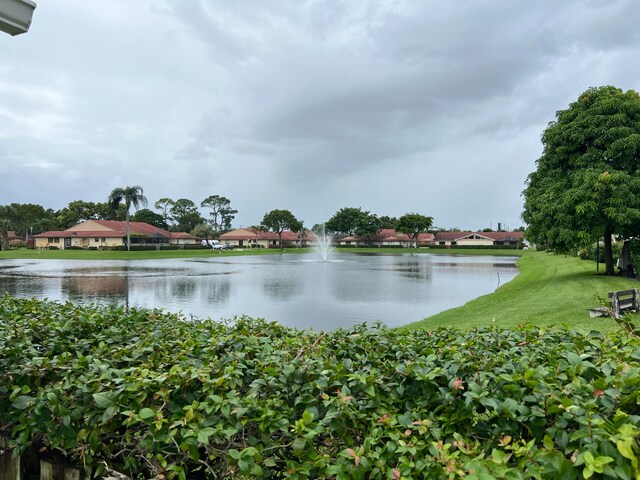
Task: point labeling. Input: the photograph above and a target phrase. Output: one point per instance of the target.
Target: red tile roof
(503, 236)
(252, 234)
(450, 236)
(391, 235)
(183, 235)
(57, 233)
(136, 228)
(116, 229)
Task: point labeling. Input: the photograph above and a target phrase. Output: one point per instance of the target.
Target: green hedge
(371, 246)
(141, 248)
(153, 394)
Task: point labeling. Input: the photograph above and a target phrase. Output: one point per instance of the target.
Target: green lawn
(140, 255)
(550, 290)
(436, 251)
(157, 254)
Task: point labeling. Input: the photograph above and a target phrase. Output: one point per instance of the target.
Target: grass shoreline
(162, 254)
(550, 290)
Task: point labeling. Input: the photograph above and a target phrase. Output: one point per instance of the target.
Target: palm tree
(130, 196)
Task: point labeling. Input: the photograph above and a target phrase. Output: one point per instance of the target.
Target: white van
(215, 244)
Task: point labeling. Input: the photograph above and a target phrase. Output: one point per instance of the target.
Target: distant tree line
(175, 215)
(184, 215)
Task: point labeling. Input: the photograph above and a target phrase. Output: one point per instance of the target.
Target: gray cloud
(312, 106)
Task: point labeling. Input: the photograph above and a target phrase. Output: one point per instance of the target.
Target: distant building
(387, 237)
(110, 233)
(479, 239)
(254, 238)
(13, 239)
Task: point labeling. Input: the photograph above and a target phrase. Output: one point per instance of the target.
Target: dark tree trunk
(627, 268)
(608, 254)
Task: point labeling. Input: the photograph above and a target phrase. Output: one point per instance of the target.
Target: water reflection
(183, 288)
(281, 289)
(291, 289)
(104, 286)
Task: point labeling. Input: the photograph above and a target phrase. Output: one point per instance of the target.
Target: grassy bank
(139, 255)
(550, 290)
(159, 254)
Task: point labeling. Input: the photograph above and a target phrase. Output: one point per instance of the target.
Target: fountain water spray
(323, 243)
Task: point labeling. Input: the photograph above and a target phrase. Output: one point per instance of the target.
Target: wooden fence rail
(30, 467)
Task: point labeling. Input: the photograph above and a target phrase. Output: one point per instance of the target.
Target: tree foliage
(28, 217)
(165, 204)
(345, 221)
(388, 222)
(152, 218)
(367, 225)
(185, 215)
(280, 220)
(130, 196)
(413, 224)
(4, 233)
(221, 212)
(204, 230)
(156, 395)
(80, 211)
(586, 185)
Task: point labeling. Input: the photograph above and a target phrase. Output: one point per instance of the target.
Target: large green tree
(79, 211)
(130, 196)
(185, 215)
(587, 184)
(413, 224)
(152, 218)
(280, 220)
(6, 213)
(221, 212)
(165, 205)
(388, 222)
(367, 225)
(204, 230)
(345, 221)
(30, 218)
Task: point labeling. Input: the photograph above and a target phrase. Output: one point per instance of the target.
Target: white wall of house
(475, 242)
(60, 243)
(183, 241)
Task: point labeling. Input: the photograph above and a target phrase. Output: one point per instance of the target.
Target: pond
(294, 290)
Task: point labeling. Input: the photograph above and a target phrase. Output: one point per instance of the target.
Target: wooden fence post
(56, 471)
(10, 466)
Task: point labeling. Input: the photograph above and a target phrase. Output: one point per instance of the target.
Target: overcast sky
(433, 107)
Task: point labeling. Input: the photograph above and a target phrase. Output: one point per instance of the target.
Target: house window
(441, 243)
(454, 243)
(103, 239)
(54, 240)
(97, 240)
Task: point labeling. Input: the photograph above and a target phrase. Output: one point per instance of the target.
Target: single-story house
(111, 233)
(479, 239)
(13, 238)
(254, 238)
(387, 237)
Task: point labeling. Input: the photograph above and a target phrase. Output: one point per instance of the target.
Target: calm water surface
(294, 290)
